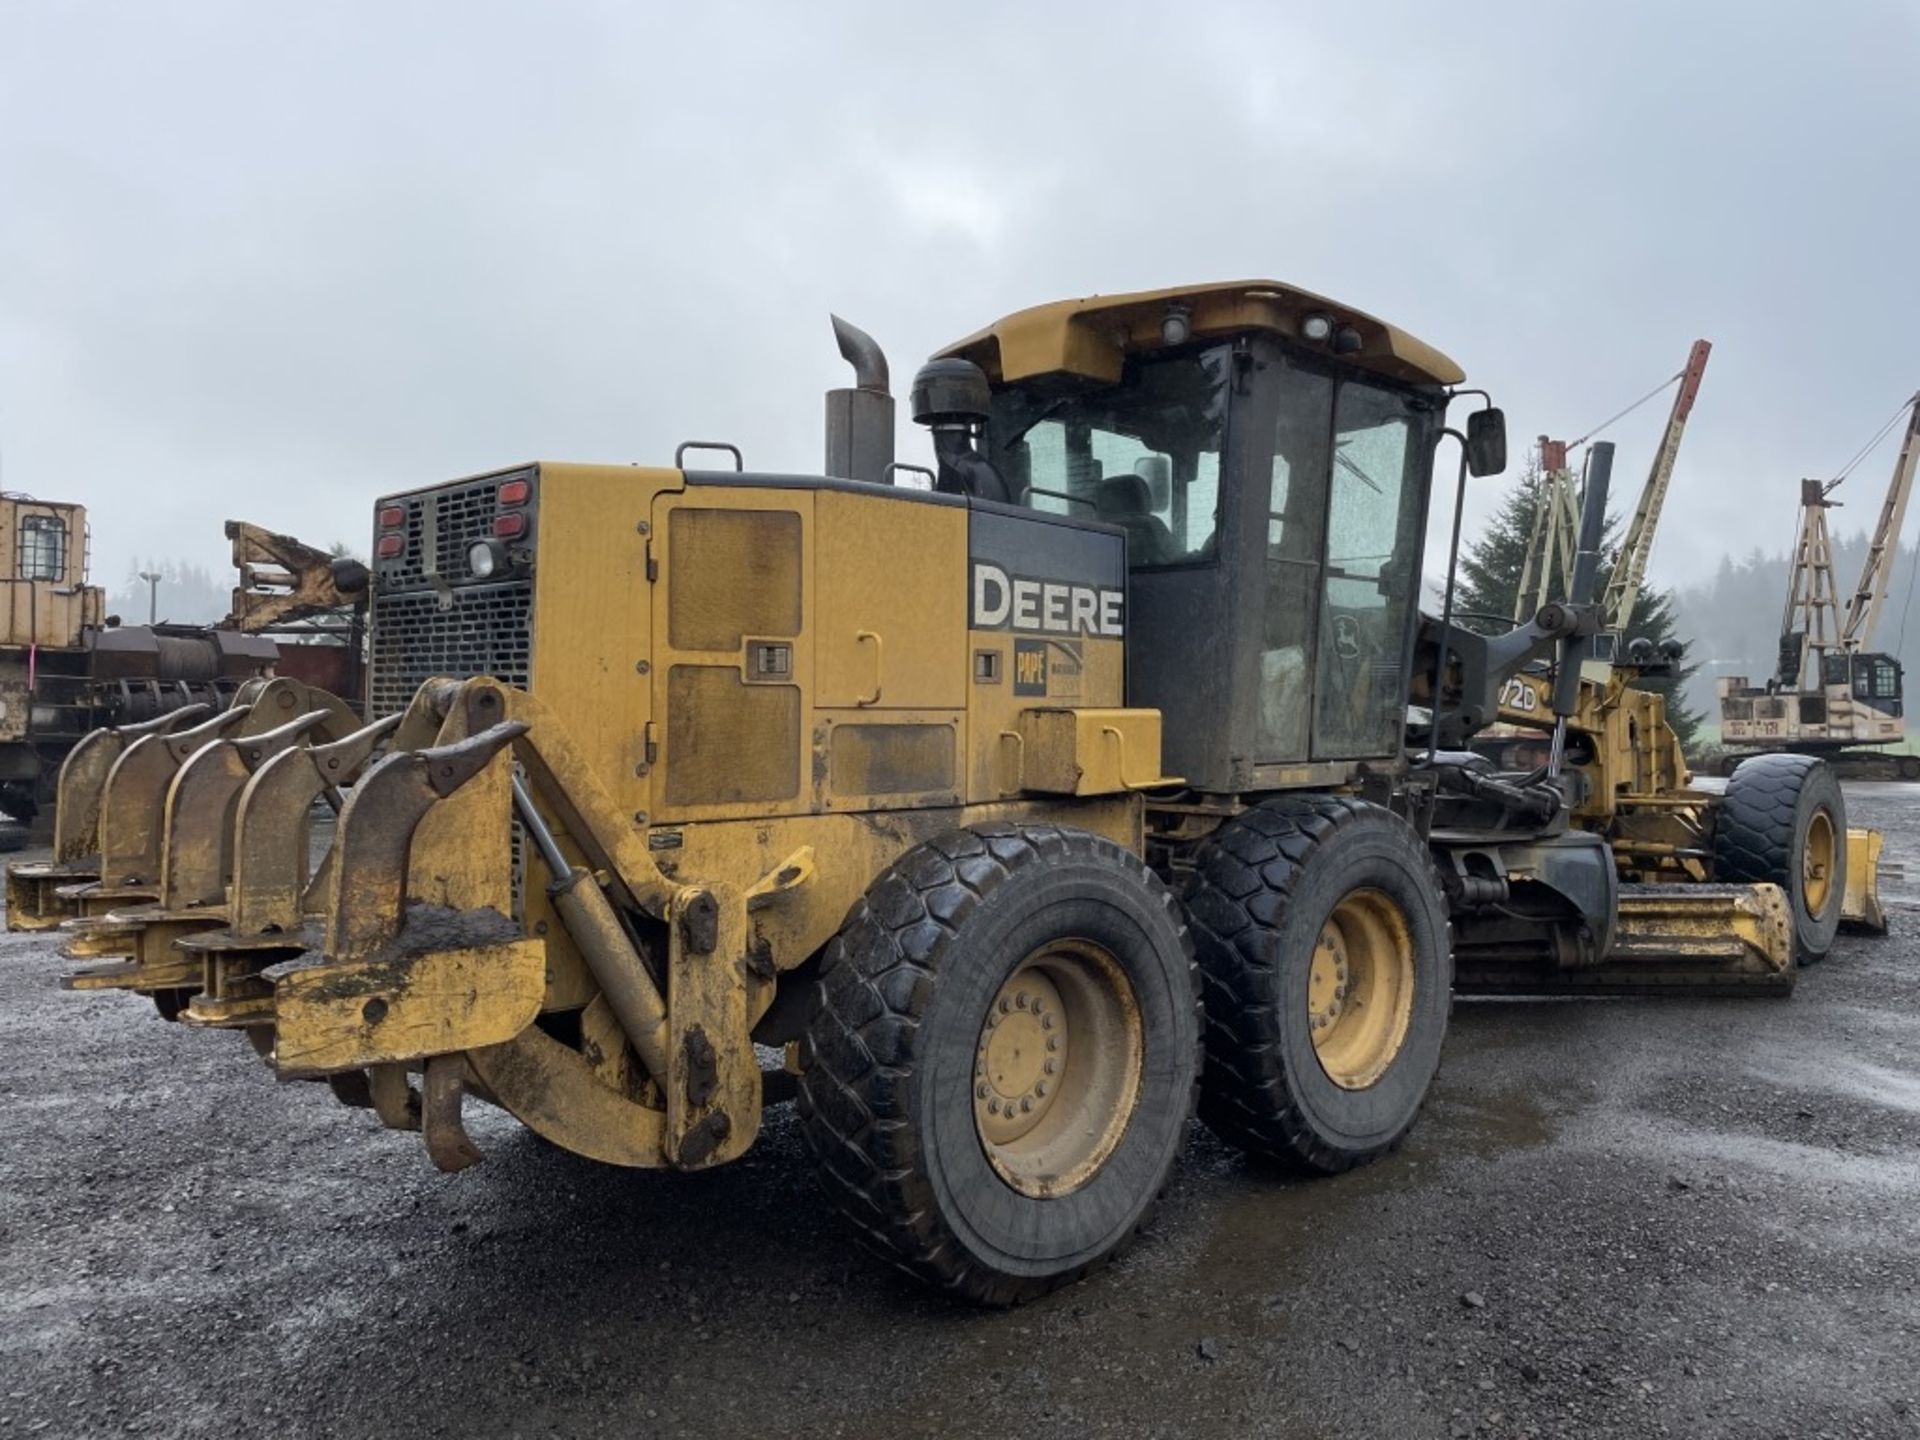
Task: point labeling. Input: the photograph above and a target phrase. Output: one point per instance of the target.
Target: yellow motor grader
(995, 804)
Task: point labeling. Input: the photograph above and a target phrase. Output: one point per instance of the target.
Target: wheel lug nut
(1026, 1105)
(981, 1091)
(1046, 1022)
(1040, 1088)
(1053, 1042)
(993, 1107)
(1051, 1066)
(1006, 1005)
(1020, 1000)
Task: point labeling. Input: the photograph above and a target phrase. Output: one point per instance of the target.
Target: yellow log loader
(992, 805)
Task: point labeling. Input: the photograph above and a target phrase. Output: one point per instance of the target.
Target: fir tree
(1490, 570)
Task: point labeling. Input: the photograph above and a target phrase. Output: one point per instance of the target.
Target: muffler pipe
(617, 968)
(863, 352)
(860, 419)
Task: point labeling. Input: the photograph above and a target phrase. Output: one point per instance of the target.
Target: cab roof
(1091, 338)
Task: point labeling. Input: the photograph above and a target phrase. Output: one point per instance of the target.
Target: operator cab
(1268, 455)
(1874, 679)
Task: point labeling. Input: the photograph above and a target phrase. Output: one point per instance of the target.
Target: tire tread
(1755, 828)
(857, 1073)
(1241, 886)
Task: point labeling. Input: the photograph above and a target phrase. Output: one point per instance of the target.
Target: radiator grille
(461, 514)
(488, 630)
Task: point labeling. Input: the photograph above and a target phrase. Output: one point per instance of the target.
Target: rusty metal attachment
(283, 579)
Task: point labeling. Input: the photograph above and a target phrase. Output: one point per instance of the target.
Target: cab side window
(1296, 509)
(1143, 455)
(1373, 517)
(43, 548)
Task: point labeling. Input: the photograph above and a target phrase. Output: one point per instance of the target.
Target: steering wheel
(1346, 637)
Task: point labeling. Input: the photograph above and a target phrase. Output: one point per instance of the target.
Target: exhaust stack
(860, 419)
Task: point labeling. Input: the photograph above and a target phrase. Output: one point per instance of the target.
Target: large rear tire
(1325, 947)
(1783, 821)
(999, 1074)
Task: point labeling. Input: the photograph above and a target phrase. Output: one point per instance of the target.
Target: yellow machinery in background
(960, 796)
(1781, 819)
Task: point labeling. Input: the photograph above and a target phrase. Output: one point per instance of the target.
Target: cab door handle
(874, 698)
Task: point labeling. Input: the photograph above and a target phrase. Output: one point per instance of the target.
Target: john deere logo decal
(1044, 607)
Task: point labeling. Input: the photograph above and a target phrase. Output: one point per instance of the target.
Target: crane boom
(1863, 611)
(1810, 623)
(1630, 568)
(1556, 521)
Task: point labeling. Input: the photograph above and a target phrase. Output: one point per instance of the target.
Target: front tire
(1783, 821)
(999, 1074)
(1327, 955)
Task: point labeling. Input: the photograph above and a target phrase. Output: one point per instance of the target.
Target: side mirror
(1486, 442)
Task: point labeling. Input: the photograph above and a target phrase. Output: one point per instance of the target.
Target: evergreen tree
(1490, 571)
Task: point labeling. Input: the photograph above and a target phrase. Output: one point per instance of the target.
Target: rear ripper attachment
(399, 973)
(135, 765)
(34, 899)
(163, 821)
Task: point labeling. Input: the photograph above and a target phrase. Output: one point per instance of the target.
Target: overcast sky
(270, 260)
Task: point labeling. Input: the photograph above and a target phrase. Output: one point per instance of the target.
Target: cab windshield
(1143, 454)
(1331, 474)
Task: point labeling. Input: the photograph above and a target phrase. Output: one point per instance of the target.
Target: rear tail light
(392, 517)
(515, 492)
(510, 526)
(388, 546)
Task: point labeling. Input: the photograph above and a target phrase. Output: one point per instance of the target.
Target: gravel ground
(1688, 1218)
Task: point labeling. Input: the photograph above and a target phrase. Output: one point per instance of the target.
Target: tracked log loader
(1832, 694)
(996, 805)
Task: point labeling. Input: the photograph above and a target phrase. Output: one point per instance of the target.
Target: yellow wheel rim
(1360, 988)
(1056, 1076)
(1816, 864)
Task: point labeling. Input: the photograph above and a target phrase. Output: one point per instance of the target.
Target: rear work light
(392, 517)
(389, 546)
(515, 492)
(510, 526)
